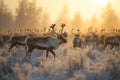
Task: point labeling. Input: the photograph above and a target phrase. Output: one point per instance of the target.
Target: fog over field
(86, 33)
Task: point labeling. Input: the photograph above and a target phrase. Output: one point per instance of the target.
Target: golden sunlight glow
(54, 7)
(100, 2)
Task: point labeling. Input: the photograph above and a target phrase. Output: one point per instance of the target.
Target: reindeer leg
(29, 51)
(26, 48)
(111, 47)
(118, 46)
(80, 44)
(1, 44)
(74, 45)
(47, 51)
(105, 46)
(12, 45)
(53, 53)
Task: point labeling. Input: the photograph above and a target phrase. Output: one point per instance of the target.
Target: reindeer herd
(50, 43)
(31, 42)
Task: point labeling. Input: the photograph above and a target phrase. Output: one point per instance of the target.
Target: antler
(72, 31)
(90, 29)
(62, 26)
(53, 27)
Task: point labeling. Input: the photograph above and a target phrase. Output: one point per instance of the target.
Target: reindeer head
(76, 34)
(62, 37)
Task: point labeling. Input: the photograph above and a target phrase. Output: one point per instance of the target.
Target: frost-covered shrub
(70, 64)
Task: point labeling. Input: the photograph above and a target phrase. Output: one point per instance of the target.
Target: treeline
(29, 15)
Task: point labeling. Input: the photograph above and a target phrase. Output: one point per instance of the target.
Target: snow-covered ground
(85, 63)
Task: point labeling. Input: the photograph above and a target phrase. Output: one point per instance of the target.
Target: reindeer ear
(78, 31)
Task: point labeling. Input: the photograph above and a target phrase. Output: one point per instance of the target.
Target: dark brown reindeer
(93, 37)
(114, 41)
(5, 38)
(45, 43)
(17, 40)
(77, 40)
(100, 40)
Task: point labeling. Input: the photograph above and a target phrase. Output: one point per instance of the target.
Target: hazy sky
(87, 8)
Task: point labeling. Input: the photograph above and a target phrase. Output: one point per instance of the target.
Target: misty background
(29, 15)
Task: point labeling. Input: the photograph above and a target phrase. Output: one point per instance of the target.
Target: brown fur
(31, 43)
(112, 40)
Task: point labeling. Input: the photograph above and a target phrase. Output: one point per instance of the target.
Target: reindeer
(17, 40)
(76, 41)
(4, 38)
(100, 40)
(112, 40)
(118, 31)
(45, 43)
(93, 37)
